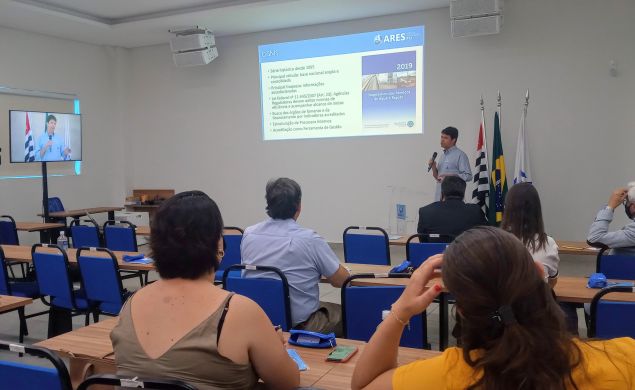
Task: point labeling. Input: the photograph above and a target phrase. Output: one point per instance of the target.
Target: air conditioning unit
(476, 26)
(193, 46)
(470, 18)
(460, 9)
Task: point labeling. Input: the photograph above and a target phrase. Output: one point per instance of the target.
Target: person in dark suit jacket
(450, 215)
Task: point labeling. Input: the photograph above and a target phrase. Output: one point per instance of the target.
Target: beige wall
(33, 61)
(200, 127)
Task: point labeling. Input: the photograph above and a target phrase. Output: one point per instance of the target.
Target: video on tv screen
(45, 136)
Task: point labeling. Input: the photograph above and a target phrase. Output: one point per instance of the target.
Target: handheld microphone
(434, 157)
(51, 148)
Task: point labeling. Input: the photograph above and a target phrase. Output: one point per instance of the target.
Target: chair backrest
(271, 294)
(5, 287)
(231, 242)
(367, 248)
(120, 236)
(362, 308)
(611, 319)
(418, 252)
(8, 231)
(100, 278)
(615, 266)
(52, 273)
(85, 235)
(17, 375)
(127, 382)
(55, 204)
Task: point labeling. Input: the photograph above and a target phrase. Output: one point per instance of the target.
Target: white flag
(522, 173)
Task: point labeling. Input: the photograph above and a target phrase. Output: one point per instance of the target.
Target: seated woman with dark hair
(513, 332)
(182, 326)
(523, 219)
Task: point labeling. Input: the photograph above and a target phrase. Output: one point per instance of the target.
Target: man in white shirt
(621, 241)
(301, 254)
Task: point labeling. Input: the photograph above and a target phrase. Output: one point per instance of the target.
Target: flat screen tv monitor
(44, 136)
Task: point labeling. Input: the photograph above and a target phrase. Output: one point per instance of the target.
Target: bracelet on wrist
(399, 320)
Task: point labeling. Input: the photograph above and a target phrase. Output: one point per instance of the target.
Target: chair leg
(11, 271)
(87, 321)
(141, 279)
(95, 316)
(23, 329)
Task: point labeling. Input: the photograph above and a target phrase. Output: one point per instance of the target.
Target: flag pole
(484, 131)
(500, 113)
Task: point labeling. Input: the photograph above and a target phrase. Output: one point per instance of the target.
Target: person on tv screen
(50, 146)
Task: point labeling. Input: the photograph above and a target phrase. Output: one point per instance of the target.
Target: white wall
(200, 127)
(33, 61)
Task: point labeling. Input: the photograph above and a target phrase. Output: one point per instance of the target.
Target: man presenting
(50, 146)
(451, 215)
(301, 254)
(621, 241)
(454, 161)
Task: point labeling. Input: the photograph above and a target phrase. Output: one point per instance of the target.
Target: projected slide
(350, 85)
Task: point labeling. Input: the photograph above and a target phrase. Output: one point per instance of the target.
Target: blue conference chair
(55, 204)
(145, 383)
(362, 308)
(610, 319)
(418, 252)
(17, 375)
(8, 231)
(366, 248)
(615, 266)
(53, 278)
(9, 236)
(122, 236)
(18, 288)
(231, 246)
(100, 277)
(85, 235)
(271, 294)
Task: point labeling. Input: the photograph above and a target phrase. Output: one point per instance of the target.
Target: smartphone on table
(341, 353)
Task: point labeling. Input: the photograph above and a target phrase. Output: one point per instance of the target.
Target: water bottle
(62, 241)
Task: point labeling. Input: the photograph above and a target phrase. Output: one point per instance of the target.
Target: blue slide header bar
(344, 44)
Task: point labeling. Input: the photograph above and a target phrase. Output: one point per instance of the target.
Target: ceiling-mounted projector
(193, 46)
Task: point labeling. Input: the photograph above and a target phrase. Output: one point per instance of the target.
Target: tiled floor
(569, 265)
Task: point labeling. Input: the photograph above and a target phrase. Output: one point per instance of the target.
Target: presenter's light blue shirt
(453, 162)
(53, 153)
(301, 254)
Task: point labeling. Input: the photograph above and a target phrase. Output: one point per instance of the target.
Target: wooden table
(37, 226)
(8, 303)
(43, 227)
(143, 230)
(91, 344)
(564, 247)
(81, 212)
(23, 253)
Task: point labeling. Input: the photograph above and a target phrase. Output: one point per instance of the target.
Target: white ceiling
(134, 23)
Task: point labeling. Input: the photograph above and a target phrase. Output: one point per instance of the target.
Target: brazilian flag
(498, 182)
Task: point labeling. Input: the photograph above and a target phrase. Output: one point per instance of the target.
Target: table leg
(60, 321)
(443, 321)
